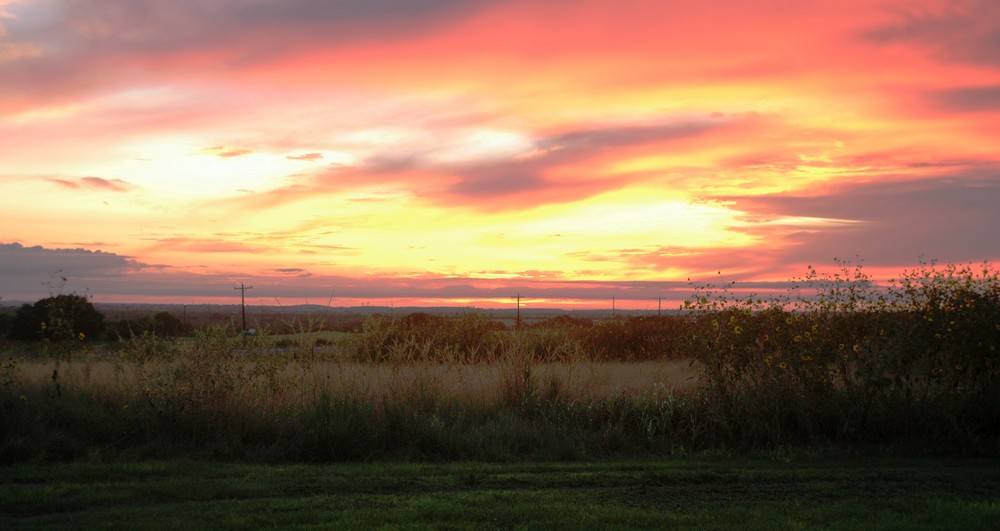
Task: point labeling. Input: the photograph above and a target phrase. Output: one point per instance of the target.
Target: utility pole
(659, 301)
(612, 306)
(517, 322)
(243, 304)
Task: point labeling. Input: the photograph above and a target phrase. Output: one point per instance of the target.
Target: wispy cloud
(226, 151)
(92, 184)
(311, 157)
(969, 99)
(946, 217)
(960, 31)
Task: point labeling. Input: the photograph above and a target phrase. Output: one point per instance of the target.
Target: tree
(6, 318)
(58, 318)
(167, 325)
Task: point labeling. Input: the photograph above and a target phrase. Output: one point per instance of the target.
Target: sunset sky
(458, 152)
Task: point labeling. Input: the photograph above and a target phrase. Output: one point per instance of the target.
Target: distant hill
(318, 309)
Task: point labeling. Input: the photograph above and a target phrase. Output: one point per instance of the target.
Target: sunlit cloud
(307, 157)
(92, 184)
(226, 151)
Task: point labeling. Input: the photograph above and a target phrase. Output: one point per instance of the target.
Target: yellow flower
(783, 365)
(24, 398)
(797, 339)
(738, 329)
(768, 360)
(856, 348)
(806, 358)
(82, 336)
(43, 325)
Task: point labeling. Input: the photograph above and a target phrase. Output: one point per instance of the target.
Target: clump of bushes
(468, 337)
(842, 359)
(57, 318)
(163, 324)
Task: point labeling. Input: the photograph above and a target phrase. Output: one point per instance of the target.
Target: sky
(461, 152)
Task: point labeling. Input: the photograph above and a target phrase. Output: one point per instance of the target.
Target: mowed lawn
(702, 493)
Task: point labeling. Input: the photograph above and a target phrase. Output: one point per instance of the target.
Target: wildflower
(124, 406)
(738, 329)
(43, 325)
(82, 336)
(806, 358)
(768, 360)
(856, 348)
(841, 346)
(24, 398)
(782, 365)
(797, 339)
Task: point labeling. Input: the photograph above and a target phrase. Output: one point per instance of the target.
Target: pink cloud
(93, 184)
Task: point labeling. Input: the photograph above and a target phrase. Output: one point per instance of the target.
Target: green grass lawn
(699, 493)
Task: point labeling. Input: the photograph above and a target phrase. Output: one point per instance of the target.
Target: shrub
(58, 318)
(848, 359)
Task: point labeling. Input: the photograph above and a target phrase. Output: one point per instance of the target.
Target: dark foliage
(58, 318)
(163, 324)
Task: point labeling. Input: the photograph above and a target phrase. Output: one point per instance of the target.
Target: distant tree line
(73, 317)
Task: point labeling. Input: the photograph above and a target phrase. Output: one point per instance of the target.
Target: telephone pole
(517, 322)
(243, 304)
(659, 301)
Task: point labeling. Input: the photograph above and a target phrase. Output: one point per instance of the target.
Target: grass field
(703, 493)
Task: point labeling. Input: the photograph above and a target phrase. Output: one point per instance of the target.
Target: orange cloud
(93, 184)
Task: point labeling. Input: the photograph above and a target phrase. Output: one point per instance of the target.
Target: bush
(163, 324)
(635, 338)
(846, 359)
(59, 318)
(468, 337)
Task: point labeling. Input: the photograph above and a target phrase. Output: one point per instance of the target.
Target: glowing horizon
(468, 150)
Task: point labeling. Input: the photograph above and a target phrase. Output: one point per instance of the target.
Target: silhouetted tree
(168, 325)
(58, 318)
(6, 319)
